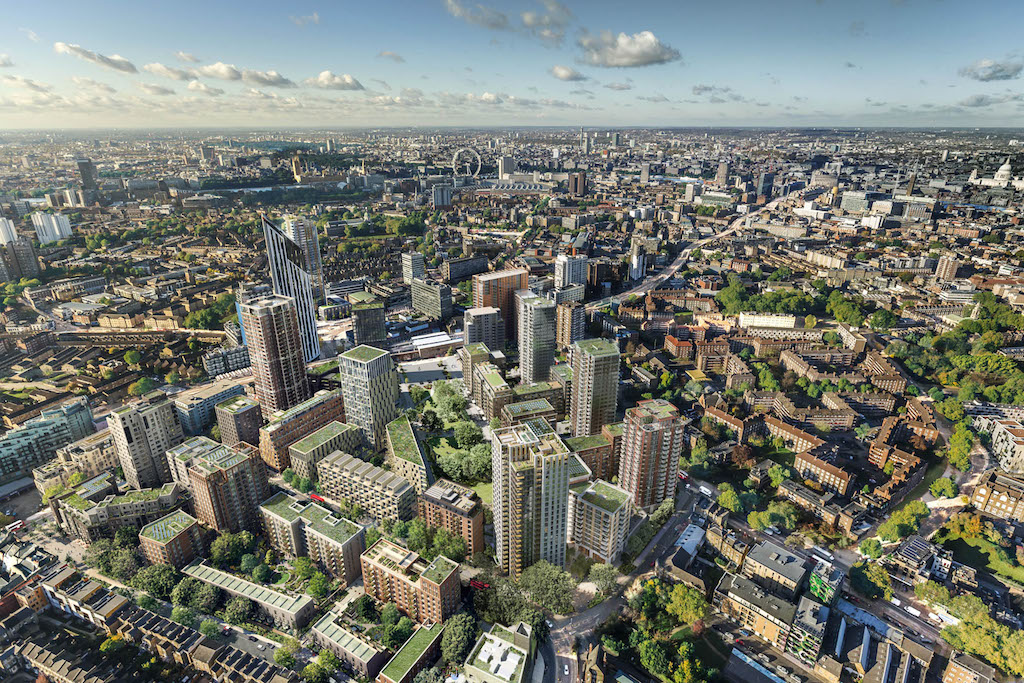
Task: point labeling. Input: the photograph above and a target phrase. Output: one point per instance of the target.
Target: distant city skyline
(537, 62)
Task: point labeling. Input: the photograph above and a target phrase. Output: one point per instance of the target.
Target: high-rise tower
(595, 385)
(292, 277)
(651, 445)
(275, 351)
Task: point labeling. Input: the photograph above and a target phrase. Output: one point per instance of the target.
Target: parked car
(565, 670)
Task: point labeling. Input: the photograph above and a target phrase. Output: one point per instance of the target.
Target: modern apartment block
(174, 539)
(484, 325)
(227, 482)
(458, 269)
(285, 611)
(289, 426)
(536, 339)
(432, 299)
(570, 323)
(96, 509)
(336, 436)
(595, 385)
(599, 515)
(272, 334)
(35, 441)
(530, 470)
(382, 494)
(775, 568)
(297, 528)
(651, 446)
(294, 277)
(470, 356)
(362, 654)
(369, 382)
(368, 318)
(239, 420)
(143, 432)
(497, 290)
(570, 270)
(426, 592)
(196, 407)
(457, 508)
(302, 231)
(405, 456)
(414, 265)
(490, 390)
(89, 456)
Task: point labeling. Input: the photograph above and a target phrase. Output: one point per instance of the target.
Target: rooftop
(166, 528)
(779, 559)
(598, 347)
(413, 649)
(606, 496)
(535, 405)
(300, 409)
(322, 436)
(237, 404)
(440, 569)
(577, 444)
(333, 628)
(363, 353)
(402, 441)
(234, 584)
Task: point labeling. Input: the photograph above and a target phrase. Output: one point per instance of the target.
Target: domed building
(1003, 178)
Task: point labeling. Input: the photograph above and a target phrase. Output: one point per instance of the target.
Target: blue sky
(456, 62)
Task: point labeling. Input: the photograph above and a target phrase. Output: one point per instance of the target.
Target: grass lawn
(783, 456)
(486, 491)
(709, 648)
(442, 446)
(978, 552)
(934, 471)
(282, 578)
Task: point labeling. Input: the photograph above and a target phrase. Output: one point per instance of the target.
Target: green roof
(402, 441)
(327, 524)
(236, 585)
(322, 436)
(410, 653)
(657, 408)
(356, 297)
(495, 379)
(616, 428)
(139, 496)
(477, 348)
(368, 305)
(440, 569)
(577, 468)
(605, 496)
(536, 405)
(333, 628)
(322, 368)
(282, 505)
(534, 388)
(166, 528)
(77, 502)
(236, 403)
(301, 408)
(578, 444)
(598, 347)
(363, 353)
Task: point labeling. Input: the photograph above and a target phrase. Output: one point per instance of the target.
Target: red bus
(479, 585)
(313, 496)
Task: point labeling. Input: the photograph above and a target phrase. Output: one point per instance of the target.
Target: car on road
(565, 670)
(252, 638)
(261, 647)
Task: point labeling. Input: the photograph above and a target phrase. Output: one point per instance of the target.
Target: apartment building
(457, 508)
(289, 426)
(307, 452)
(496, 290)
(143, 432)
(599, 514)
(363, 655)
(297, 528)
(775, 568)
(405, 456)
(470, 356)
(570, 323)
(830, 476)
(97, 510)
(197, 407)
(89, 456)
(285, 611)
(598, 452)
(382, 494)
(491, 391)
(432, 299)
(595, 385)
(369, 382)
(484, 325)
(174, 539)
(651, 446)
(426, 592)
(1000, 495)
(239, 420)
(536, 338)
(276, 350)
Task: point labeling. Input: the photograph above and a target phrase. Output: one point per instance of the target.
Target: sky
(429, 63)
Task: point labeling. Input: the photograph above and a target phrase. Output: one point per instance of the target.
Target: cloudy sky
(258, 63)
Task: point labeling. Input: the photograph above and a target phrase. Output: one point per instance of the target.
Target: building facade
(275, 344)
(369, 382)
(651, 446)
(457, 508)
(294, 277)
(143, 432)
(595, 385)
(289, 426)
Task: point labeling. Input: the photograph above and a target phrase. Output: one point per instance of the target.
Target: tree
(112, 645)
(653, 658)
(132, 357)
(228, 548)
(944, 487)
(448, 544)
(319, 586)
(237, 610)
(778, 474)
(210, 628)
(550, 586)
(284, 658)
(871, 547)
(314, 673)
(262, 574)
(248, 563)
(431, 675)
(185, 592)
(147, 602)
(418, 537)
(205, 599)
(605, 577)
(124, 564)
(810, 322)
(459, 636)
(932, 592)
(729, 499)
(467, 434)
(904, 521)
(871, 580)
(183, 615)
(142, 386)
(365, 610)
(396, 634)
(328, 660)
(430, 421)
(686, 604)
(126, 537)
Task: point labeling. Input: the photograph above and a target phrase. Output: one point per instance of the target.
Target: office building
(722, 175)
(196, 407)
(368, 318)
(284, 611)
(369, 382)
(595, 385)
(35, 441)
(293, 278)
(276, 350)
(227, 482)
(289, 426)
(536, 339)
(651, 445)
(301, 528)
(484, 325)
(428, 593)
(432, 299)
(8, 231)
(414, 266)
(302, 231)
(239, 419)
(506, 167)
(336, 436)
(381, 494)
(457, 508)
(87, 171)
(530, 473)
(570, 323)
(578, 181)
(497, 290)
(598, 521)
(174, 539)
(143, 432)
(947, 268)
(51, 227)
(570, 270)
(765, 183)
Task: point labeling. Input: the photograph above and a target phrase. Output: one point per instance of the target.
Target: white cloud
(186, 57)
(383, 84)
(717, 94)
(480, 15)
(393, 56)
(313, 18)
(25, 83)
(158, 69)
(90, 84)
(154, 89)
(196, 86)
(619, 86)
(566, 73)
(328, 80)
(989, 100)
(267, 78)
(220, 70)
(5, 61)
(993, 70)
(115, 62)
(30, 34)
(550, 25)
(623, 50)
